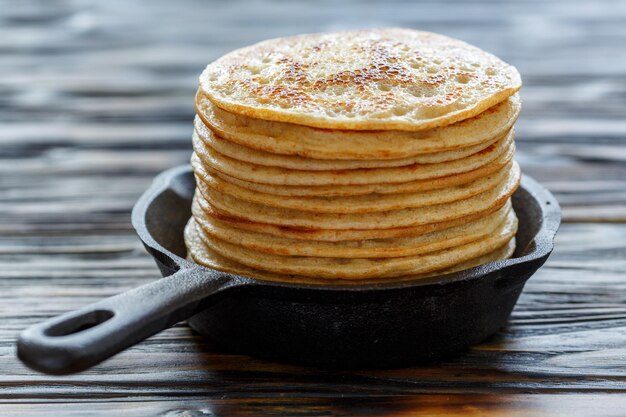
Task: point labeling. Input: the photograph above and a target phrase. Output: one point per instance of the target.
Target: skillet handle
(78, 340)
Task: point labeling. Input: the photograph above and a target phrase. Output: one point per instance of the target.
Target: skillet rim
(543, 242)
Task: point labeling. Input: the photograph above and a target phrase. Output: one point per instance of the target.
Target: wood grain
(97, 97)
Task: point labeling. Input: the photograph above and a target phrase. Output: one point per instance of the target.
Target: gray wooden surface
(96, 97)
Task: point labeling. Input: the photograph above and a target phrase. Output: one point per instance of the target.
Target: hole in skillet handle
(79, 323)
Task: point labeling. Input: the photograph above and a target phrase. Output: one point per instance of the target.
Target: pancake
(352, 204)
(338, 235)
(363, 189)
(282, 176)
(199, 253)
(378, 248)
(293, 139)
(360, 268)
(256, 157)
(234, 207)
(385, 79)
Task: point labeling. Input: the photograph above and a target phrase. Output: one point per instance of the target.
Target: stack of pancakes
(354, 156)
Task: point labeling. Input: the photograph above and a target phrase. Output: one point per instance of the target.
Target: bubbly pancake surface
(361, 80)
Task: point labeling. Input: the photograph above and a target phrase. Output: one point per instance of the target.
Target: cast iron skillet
(374, 325)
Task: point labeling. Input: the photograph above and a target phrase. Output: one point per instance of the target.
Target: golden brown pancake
(363, 189)
(336, 235)
(366, 248)
(234, 207)
(256, 157)
(307, 142)
(198, 252)
(369, 79)
(362, 268)
(354, 204)
(282, 176)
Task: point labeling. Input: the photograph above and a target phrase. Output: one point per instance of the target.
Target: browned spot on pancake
(300, 230)
(319, 46)
(394, 73)
(282, 94)
(295, 71)
(227, 219)
(377, 259)
(434, 79)
(488, 149)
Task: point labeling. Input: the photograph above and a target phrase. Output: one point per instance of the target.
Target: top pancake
(381, 79)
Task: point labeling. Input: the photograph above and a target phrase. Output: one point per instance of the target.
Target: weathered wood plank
(513, 405)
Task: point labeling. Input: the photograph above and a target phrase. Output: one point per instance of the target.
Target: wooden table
(96, 98)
